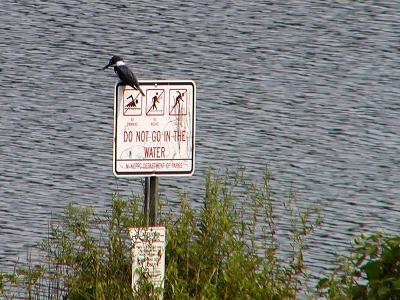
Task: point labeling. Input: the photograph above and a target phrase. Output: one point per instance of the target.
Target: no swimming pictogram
(132, 102)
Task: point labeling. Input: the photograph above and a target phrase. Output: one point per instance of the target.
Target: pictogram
(155, 99)
(178, 102)
(132, 102)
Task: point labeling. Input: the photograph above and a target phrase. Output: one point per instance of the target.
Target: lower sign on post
(148, 257)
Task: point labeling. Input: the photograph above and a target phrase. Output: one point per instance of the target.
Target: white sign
(154, 134)
(148, 255)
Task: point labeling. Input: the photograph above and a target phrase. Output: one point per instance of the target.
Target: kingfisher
(124, 73)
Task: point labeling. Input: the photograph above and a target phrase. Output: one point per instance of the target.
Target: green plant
(24, 281)
(231, 250)
(94, 250)
(371, 271)
(227, 249)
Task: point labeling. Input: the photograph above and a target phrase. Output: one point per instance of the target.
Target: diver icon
(178, 102)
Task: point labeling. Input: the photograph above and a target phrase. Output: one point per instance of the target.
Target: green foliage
(94, 250)
(231, 252)
(371, 271)
(23, 282)
(228, 249)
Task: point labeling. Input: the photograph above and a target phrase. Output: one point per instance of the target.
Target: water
(310, 88)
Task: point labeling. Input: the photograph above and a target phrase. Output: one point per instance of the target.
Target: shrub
(227, 250)
(371, 271)
(231, 252)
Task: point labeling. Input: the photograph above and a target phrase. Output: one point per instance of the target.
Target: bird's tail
(136, 86)
(140, 90)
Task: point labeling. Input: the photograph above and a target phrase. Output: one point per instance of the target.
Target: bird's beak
(106, 66)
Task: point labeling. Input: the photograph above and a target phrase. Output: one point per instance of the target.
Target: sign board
(154, 134)
(148, 255)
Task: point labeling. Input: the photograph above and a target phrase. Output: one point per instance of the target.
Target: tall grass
(227, 249)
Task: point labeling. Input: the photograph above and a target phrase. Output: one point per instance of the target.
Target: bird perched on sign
(124, 73)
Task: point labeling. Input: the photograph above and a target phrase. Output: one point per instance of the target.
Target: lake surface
(310, 88)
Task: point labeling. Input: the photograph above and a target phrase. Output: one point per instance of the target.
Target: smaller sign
(148, 255)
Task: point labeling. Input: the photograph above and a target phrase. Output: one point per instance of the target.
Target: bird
(124, 73)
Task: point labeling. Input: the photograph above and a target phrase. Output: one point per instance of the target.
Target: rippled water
(310, 87)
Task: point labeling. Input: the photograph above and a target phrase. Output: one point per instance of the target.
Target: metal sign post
(146, 202)
(150, 207)
(153, 203)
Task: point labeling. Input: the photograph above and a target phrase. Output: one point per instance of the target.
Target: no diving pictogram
(178, 102)
(132, 102)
